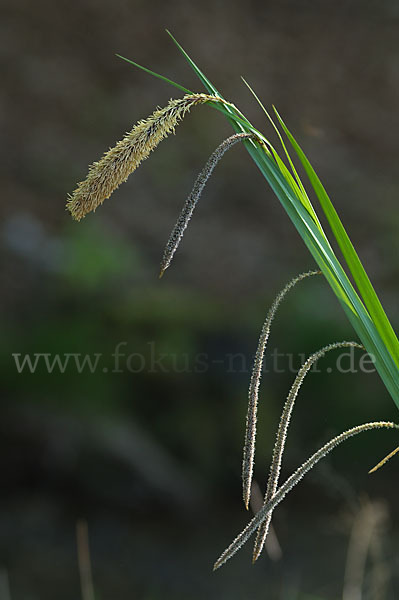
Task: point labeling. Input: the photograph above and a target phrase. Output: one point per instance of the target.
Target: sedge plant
(358, 299)
(347, 279)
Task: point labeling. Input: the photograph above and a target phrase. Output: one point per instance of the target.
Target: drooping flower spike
(281, 436)
(260, 516)
(251, 421)
(106, 175)
(192, 200)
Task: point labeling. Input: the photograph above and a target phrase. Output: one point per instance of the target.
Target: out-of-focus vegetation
(152, 459)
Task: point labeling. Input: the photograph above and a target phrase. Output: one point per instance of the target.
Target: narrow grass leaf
(162, 77)
(356, 268)
(301, 192)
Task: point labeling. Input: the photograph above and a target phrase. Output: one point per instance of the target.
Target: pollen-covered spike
(115, 166)
(281, 436)
(250, 431)
(280, 494)
(192, 200)
(384, 460)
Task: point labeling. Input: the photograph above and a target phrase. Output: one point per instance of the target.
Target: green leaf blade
(352, 259)
(157, 75)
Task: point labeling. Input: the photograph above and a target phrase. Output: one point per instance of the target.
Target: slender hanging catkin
(281, 436)
(250, 430)
(106, 175)
(192, 200)
(291, 482)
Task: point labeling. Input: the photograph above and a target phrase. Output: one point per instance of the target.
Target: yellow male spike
(115, 166)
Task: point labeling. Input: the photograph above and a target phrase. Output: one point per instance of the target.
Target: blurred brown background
(152, 458)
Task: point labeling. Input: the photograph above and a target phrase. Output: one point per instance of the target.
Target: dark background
(152, 459)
